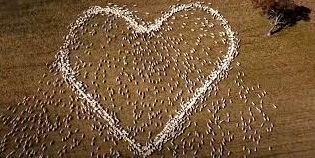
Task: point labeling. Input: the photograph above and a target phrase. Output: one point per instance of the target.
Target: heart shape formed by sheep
(173, 126)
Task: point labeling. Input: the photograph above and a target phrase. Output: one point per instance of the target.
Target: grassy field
(31, 33)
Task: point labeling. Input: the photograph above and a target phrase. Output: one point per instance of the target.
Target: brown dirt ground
(31, 33)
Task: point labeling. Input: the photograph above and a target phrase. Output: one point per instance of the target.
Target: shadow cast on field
(293, 16)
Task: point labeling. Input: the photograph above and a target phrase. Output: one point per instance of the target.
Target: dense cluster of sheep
(181, 77)
(171, 128)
